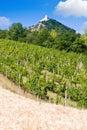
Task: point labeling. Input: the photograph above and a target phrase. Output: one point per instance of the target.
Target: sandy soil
(21, 113)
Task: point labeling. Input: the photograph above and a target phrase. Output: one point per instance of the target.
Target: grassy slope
(33, 60)
(9, 85)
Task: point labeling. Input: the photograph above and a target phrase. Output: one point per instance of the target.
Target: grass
(7, 84)
(53, 97)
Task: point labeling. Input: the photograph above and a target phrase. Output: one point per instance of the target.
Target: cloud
(4, 22)
(76, 8)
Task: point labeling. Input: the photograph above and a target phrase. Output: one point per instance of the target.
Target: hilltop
(49, 24)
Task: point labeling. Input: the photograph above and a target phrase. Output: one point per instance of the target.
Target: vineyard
(43, 71)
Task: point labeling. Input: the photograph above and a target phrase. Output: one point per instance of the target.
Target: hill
(53, 34)
(50, 24)
(20, 113)
(48, 33)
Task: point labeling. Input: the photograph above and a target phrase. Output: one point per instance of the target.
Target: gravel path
(20, 113)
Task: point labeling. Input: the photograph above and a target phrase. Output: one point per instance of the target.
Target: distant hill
(53, 34)
(50, 24)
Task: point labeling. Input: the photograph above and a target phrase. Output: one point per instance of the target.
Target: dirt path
(8, 84)
(21, 113)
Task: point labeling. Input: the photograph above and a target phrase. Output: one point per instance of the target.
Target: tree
(84, 38)
(3, 34)
(53, 33)
(32, 37)
(79, 45)
(15, 31)
(42, 36)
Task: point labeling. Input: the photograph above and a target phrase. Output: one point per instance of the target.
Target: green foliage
(15, 31)
(51, 35)
(39, 70)
(3, 34)
(42, 36)
(79, 45)
(57, 26)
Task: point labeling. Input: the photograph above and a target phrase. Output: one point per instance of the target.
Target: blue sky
(72, 13)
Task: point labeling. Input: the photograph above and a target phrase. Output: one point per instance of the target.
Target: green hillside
(59, 27)
(42, 71)
(51, 24)
(49, 33)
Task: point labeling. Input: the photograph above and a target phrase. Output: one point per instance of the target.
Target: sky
(72, 13)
